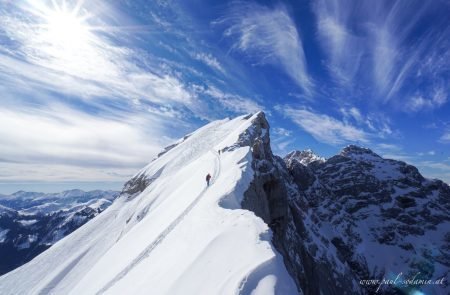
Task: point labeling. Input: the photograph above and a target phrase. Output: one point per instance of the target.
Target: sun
(65, 28)
(63, 37)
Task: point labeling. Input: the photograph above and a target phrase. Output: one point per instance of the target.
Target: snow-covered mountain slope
(170, 234)
(31, 222)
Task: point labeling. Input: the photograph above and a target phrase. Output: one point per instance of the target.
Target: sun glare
(64, 39)
(66, 29)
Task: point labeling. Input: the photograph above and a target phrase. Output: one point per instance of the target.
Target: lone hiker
(208, 177)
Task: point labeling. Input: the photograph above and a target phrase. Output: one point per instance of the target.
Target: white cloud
(445, 137)
(281, 146)
(281, 139)
(418, 102)
(62, 142)
(269, 35)
(398, 157)
(231, 102)
(281, 131)
(324, 128)
(377, 123)
(47, 172)
(344, 49)
(351, 113)
(436, 165)
(210, 60)
(389, 147)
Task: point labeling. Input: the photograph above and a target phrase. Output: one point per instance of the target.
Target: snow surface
(3, 233)
(177, 237)
(27, 222)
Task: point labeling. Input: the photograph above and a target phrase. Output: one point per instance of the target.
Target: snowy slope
(175, 237)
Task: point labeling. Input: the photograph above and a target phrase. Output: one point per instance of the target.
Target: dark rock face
(33, 222)
(135, 186)
(355, 216)
(274, 197)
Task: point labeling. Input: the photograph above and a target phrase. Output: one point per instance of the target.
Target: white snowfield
(176, 237)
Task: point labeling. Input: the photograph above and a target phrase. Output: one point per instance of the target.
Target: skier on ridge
(208, 177)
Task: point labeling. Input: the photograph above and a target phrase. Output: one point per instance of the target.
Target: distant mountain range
(31, 222)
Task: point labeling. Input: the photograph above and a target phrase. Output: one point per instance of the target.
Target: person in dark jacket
(208, 178)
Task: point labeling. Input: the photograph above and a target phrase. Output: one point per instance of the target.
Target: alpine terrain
(31, 222)
(265, 225)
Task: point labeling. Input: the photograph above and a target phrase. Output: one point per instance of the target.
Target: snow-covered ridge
(168, 233)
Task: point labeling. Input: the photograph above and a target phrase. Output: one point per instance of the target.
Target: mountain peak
(304, 157)
(354, 151)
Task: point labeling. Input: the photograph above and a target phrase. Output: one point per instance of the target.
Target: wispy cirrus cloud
(280, 131)
(325, 128)
(419, 102)
(351, 127)
(445, 138)
(378, 45)
(269, 36)
(229, 101)
(375, 123)
(281, 139)
(209, 60)
(343, 48)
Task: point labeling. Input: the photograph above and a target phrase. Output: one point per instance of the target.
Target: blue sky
(93, 90)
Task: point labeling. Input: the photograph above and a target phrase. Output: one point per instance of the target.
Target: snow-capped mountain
(265, 225)
(31, 222)
(378, 217)
(303, 157)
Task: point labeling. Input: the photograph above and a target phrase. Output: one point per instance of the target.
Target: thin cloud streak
(371, 44)
(324, 128)
(269, 36)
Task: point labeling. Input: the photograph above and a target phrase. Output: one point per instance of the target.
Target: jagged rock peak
(354, 151)
(260, 120)
(304, 157)
(256, 134)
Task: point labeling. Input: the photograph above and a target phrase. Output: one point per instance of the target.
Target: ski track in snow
(56, 280)
(146, 252)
